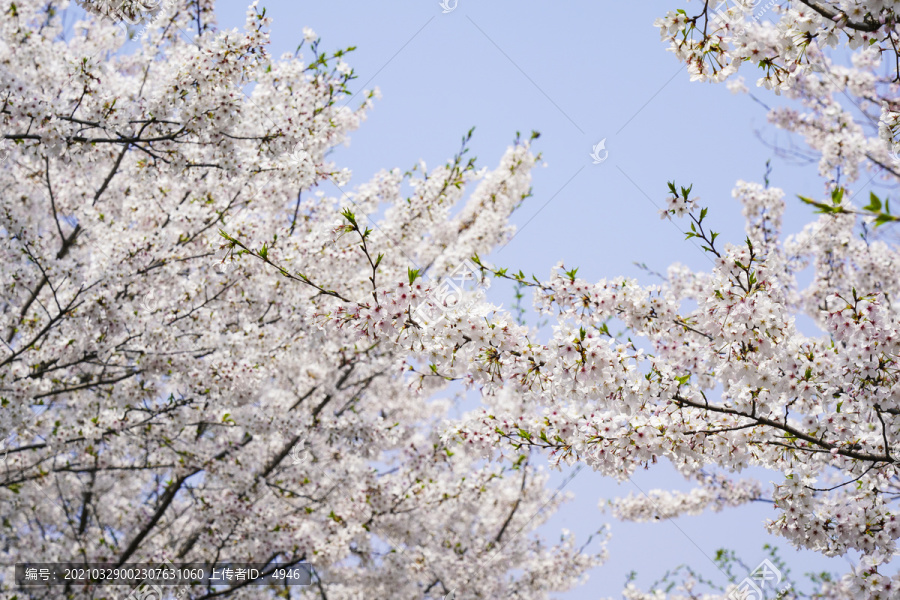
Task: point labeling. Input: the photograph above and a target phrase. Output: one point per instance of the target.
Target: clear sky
(578, 72)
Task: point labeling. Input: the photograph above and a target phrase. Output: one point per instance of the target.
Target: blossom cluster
(715, 494)
(785, 39)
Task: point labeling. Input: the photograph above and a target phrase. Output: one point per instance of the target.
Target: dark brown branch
(869, 26)
(787, 429)
(514, 508)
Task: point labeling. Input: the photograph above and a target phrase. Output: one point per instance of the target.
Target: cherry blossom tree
(206, 356)
(165, 392)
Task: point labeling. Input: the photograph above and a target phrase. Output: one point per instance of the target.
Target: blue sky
(577, 72)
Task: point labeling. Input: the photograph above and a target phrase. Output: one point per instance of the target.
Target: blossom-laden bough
(728, 385)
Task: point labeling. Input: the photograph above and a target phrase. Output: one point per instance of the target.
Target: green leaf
(874, 203)
(823, 208)
(348, 214)
(836, 195)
